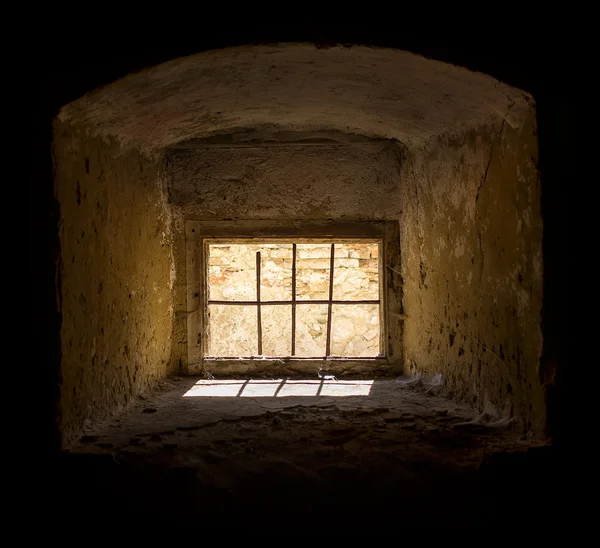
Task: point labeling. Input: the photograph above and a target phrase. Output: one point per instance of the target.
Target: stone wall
(457, 171)
(359, 181)
(471, 237)
(232, 277)
(115, 277)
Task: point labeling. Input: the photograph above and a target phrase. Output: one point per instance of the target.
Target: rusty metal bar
(293, 300)
(258, 315)
(315, 301)
(328, 343)
(279, 359)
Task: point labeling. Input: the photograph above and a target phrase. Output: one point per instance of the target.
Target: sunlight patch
(278, 388)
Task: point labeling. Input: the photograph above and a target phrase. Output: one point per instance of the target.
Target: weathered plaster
(282, 183)
(368, 91)
(471, 237)
(357, 181)
(115, 277)
(460, 178)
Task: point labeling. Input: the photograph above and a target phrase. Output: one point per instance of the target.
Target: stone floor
(309, 453)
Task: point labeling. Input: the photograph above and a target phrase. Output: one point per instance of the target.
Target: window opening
(298, 299)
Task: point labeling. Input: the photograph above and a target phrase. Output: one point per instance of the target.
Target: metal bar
(328, 343)
(315, 301)
(266, 359)
(293, 300)
(258, 316)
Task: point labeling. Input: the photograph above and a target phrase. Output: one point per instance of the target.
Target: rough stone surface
(115, 277)
(460, 177)
(232, 277)
(471, 238)
(358, 181)
(316, 462)
(369, 91)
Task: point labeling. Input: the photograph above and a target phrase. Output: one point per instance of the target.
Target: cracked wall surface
(115, 277)
(471, 237)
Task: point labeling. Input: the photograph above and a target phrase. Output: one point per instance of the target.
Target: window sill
(376, 366)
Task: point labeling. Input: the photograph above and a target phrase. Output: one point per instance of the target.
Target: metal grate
(258, 303)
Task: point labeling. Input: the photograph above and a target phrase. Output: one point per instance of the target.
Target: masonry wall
(115, 277)
(232, 276)
(359, 181)
(471, 235)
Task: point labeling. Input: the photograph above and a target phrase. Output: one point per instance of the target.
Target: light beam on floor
(280, 388)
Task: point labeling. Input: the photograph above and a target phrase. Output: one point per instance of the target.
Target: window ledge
(290, 366)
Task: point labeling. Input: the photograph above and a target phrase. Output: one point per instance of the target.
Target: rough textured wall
(352, 182)
(369, 91)
(358, 181)
(471, 236)
(115, 277)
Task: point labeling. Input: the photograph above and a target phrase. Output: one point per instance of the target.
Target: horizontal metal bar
(261, 239)
(294, 358)
(263, 303)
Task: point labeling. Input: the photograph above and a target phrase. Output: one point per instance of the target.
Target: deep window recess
(301, 298)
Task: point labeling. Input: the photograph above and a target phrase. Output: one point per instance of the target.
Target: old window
(299, 291)
(298, 298)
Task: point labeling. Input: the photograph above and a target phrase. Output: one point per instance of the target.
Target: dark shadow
(358, 467)
(320, 389)
(242, 387)
(279, 387)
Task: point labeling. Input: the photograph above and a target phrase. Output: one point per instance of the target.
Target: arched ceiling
(375, 92)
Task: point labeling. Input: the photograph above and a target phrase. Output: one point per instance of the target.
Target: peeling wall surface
(343, 182)
(115, 277)
(471, 240)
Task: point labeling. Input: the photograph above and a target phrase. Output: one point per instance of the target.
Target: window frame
(200, 233)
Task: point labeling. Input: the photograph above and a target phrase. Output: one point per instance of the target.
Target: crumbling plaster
(356, 181)
(471, 236)
(466, 196)
(375, 92)
(341, 182)
(115, 277)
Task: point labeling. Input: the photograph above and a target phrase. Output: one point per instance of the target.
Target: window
(263, 293)
(293, 298)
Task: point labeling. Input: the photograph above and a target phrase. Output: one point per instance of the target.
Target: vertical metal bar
(328, 344)
(258, 314)
(383, 327)
(293, 300)
(204, 315)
